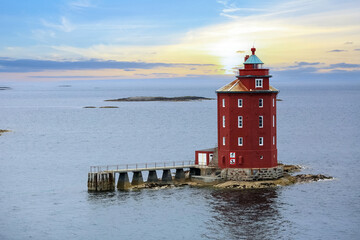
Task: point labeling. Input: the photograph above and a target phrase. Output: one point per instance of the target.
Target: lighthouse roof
(253, 59)
(238, 86)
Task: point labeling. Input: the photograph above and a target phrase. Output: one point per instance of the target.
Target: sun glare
(230, 54)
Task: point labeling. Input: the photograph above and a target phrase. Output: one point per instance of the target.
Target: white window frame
(261, 102)
(273, 102)
(261, 121)
(261, 141)
(240, 141)
(240, 103)
(273, 120)
(224, 139)
(223, 102)
(258, 82)
(240, 122)
(273, 140)
(223, 118)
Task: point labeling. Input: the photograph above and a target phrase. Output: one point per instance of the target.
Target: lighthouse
(246, 116)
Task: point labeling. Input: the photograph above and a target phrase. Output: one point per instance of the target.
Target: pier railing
(142, 166)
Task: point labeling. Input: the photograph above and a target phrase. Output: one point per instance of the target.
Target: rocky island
(163, 99)
(5, 88)
(3, 131)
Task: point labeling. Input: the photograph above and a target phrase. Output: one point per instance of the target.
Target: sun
(230, 54)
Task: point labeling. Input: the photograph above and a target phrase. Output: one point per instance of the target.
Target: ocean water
(45, 160)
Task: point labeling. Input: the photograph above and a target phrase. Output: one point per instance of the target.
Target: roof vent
(246, 58)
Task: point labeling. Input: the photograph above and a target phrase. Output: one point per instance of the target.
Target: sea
(54, 140)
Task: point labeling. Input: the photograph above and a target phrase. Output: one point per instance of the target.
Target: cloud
(347, 43)
(31, 65)
(337, 50)
(71, 77)
(80, 4)
(303, 64)
(64, 25)
(307, 63)
(317, 68)
(357, 49)
(344, 65)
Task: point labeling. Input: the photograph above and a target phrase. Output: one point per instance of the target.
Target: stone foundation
(252, 174)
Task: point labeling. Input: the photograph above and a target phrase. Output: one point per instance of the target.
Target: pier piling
(180, 175)
(166, 176)
(152, 178)
(123, 181)
(137, 179)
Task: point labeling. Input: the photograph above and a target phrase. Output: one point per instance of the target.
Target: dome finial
(253, 49)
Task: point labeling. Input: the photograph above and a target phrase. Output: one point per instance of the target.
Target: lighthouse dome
(253, 59)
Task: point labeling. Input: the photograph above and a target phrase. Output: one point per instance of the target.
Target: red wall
(207, 156)
(248, 155)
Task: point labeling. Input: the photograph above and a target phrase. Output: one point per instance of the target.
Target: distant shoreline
(164, 99)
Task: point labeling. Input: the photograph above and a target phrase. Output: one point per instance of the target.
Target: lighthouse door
(202, 159)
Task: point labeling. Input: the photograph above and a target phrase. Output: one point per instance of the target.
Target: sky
(57, 40)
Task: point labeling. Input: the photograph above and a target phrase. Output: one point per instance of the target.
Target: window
(273, 120)
(240, 121)
(223, 141)
(223, 121)
(223, 102)
(261, 121)
(240, 141)
(261, 141)
(258, 83)
(240, 103)
(273, 140)
(261, 102)
(273, 102)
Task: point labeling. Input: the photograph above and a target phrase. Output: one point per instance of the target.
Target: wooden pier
(103, 178)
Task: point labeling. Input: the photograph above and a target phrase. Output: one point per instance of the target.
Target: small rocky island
(5, 88)
(158, 99)
(3, 131)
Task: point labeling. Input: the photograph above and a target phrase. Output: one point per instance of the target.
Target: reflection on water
(245, 214)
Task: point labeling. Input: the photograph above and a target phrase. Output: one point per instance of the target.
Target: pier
(103, 178)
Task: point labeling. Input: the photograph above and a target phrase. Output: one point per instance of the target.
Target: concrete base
(180, 175)
(123, 182)
(137, 179)
(166, 176)
(152, 178)
(101, 182)
(207, 180)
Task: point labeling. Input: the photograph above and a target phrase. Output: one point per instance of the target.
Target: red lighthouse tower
(247, 121)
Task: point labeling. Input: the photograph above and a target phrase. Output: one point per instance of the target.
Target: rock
(89, 107)
(310, 178)
(284, 181)
(168, 99)
(291, 168)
